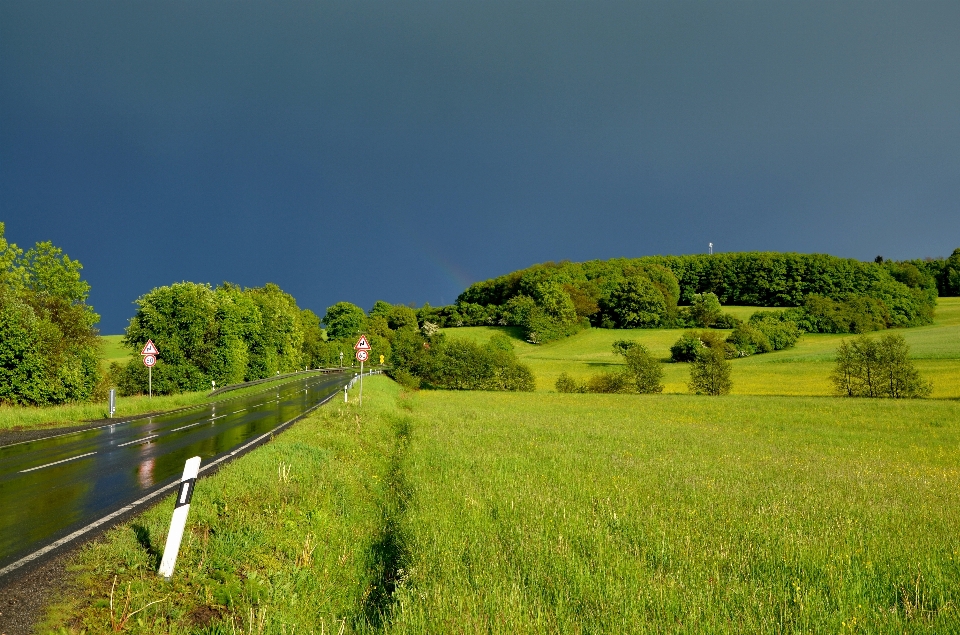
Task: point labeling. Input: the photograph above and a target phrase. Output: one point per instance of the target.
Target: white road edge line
(152, 436)
(106, 519)
(56, 462)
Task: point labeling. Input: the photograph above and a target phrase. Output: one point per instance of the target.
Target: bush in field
(766, 331)
(566, 383)
(710, 373)
(455, 364)
(691, 343)
(49, 348)
(644, 370)
(611, 382)
(877, 367)
(748, 340)
(620, 347)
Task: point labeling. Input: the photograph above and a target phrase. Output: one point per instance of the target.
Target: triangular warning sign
(362, 344)
(149, 349)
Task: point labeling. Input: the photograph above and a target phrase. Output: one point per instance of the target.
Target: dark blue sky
(401, 150)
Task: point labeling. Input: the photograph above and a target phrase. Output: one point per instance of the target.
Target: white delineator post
(179, 520)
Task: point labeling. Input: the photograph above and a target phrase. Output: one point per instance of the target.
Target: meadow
(438, 512)
(803, 370)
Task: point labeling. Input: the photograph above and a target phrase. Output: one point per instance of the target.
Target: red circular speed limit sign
(149, 360)
(362, 356)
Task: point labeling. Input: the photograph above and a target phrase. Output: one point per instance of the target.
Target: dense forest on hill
(830, 294)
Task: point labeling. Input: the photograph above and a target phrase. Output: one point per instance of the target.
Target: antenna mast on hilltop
(711, 248)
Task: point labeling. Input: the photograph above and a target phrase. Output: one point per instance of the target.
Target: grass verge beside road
(518, 512)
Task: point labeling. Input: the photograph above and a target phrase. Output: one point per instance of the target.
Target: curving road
(57, 489)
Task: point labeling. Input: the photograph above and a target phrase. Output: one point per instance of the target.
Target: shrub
(463, 365)
(877, 367)
(644, 369)
(566, 383)
(611, 382)
(705, 309)
(778, 327)
(691, 343)
(710, 373)
(620, 347)
(405, 378)
(686, 348)
(748, 340)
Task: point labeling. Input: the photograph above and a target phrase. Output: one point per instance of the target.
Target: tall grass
(444, 512)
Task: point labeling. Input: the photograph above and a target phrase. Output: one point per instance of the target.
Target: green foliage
(644, 369)
(227, 335)
(456, 364)
(49, 348)
(610, 383)
(854, 314)
(685, 349)
(636, 303)
(877, 367)
(344, 320)
(748, 340)
(905, 291)
(566, 383)
(705, 309)
(314, 340)
(710, 373)
(620, 347)
(691, 343)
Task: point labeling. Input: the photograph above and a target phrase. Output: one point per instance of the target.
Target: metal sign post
(149, 353)
(363, 352)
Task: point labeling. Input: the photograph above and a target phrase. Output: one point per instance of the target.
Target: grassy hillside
(802, 370)
(466, 512)
(113, 351)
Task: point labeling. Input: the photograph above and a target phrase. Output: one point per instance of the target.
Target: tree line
(829, 294)
(50, 348)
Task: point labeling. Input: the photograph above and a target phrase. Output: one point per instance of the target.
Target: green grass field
(113, 351)
(802, 370)
(439, 512)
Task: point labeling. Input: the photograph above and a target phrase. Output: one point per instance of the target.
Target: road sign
(381, 360)
(149, 349)
(149, 360)
(362, 355)
(362, 344)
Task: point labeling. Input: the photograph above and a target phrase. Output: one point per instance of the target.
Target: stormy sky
(402, 150)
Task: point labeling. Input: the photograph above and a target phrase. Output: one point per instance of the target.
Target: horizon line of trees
(827, 294)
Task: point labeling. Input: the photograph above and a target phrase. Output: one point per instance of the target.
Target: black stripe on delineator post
(185, 493)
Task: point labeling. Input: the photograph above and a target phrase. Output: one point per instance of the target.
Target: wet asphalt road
(52, 487)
